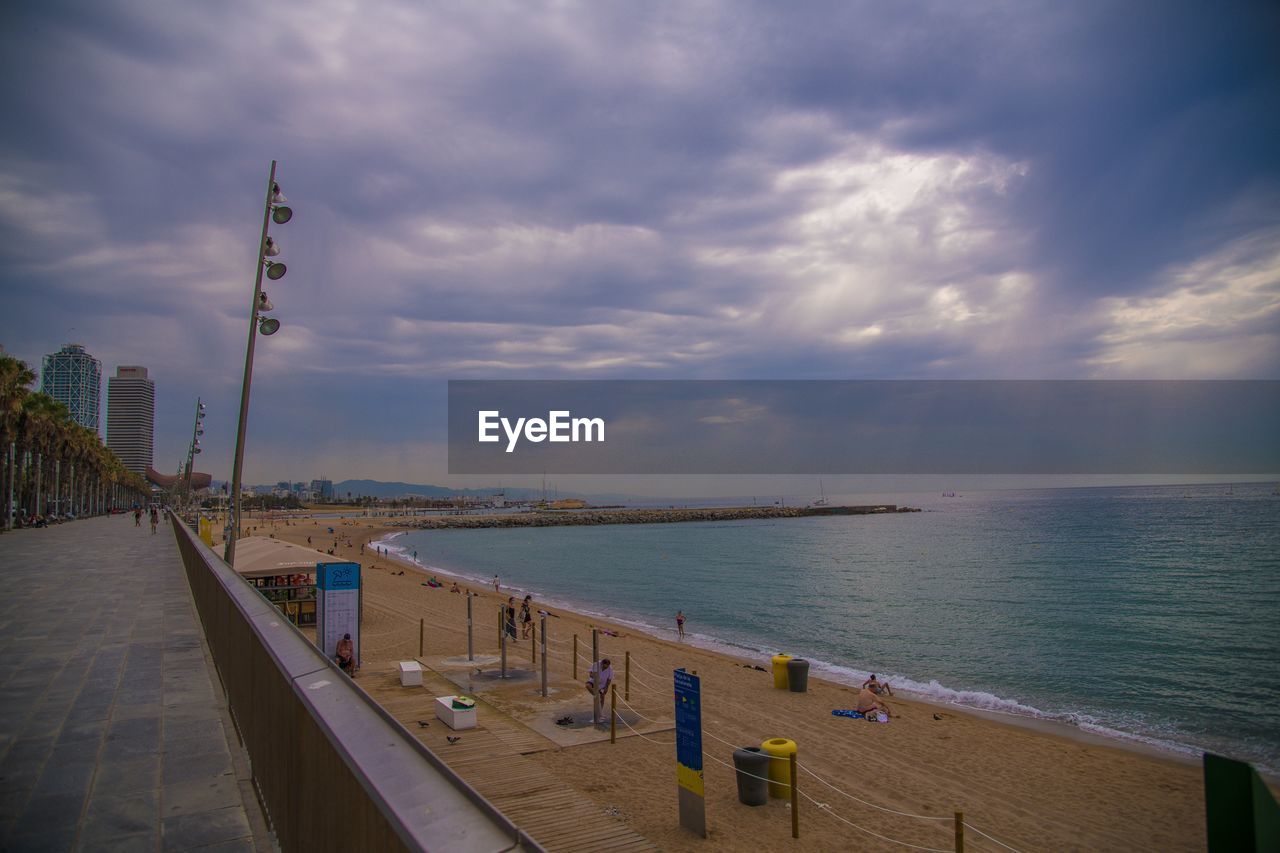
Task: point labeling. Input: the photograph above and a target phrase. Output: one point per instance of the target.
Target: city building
(131, 417)
(74, 378)
(323, 489)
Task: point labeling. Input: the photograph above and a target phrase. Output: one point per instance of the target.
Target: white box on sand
(454, 718)
(410, 673)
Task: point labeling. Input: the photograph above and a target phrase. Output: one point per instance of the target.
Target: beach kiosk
(284, 573)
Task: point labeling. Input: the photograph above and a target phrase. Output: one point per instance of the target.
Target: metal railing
(333, 769)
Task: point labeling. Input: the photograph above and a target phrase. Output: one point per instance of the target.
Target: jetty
(589, 516)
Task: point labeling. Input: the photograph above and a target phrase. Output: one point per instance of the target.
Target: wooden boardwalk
(492, 758)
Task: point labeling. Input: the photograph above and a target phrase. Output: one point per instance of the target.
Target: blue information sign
(688, 696)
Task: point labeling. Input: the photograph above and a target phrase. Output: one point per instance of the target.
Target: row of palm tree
(50, 464)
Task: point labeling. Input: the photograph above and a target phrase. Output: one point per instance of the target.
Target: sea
(1144, 614)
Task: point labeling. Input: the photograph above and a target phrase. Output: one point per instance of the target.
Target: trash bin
(780, 671)
(753, 775)
(798, 675)
(779, 749)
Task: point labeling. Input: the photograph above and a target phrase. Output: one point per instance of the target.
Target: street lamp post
(192, 449)
(274, 211)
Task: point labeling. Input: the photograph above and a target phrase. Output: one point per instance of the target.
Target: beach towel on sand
(847, 712)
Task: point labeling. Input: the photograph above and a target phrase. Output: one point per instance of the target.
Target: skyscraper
(74, 378)
(131, 417)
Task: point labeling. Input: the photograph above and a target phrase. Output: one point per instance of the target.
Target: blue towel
(845, 712)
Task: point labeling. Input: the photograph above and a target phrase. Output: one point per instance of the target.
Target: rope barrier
(643, 717)
(745, 773)
(646, 737)
(990, 838)
(867, 803)
(826, 809)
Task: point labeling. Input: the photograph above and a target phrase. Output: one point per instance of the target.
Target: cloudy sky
(625, 190)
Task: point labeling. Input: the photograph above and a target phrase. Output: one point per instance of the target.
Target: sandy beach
(872, 785)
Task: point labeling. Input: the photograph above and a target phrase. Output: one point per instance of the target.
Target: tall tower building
(74, 378)
(131, 417)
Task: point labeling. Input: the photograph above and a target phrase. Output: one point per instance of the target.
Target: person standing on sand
(680, 623)
(509, 623)
(526, 618)
(497, 585)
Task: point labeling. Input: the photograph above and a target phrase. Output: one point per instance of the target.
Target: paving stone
(111, 736)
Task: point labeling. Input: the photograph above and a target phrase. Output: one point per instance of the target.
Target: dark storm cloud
(815, 190)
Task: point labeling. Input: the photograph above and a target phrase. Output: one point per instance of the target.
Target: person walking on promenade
(155, 519)
(137, 517)
(526, 618)
(680, 623)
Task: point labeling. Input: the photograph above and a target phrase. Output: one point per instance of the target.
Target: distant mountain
(379, 489)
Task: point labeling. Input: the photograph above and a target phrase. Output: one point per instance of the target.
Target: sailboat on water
(822, 501)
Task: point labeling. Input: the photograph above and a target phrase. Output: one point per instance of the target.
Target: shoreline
(1034, 785)
(831, 672)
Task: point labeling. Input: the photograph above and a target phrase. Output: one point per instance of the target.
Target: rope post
(595, 665)
(533, 643)
(422, 636)
(795, 799)
(613, 713)
(500, 631)
(471, 655)
(544, 656)
(575, 657)
(626, 687)
(959, 832)
(502, 642)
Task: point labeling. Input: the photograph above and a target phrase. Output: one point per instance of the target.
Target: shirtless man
(869, 704)
(877, 687)
(345, 656)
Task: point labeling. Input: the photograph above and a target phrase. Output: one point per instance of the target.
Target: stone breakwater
(544, 518)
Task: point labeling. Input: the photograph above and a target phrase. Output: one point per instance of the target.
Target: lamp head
(277, 197)
(268, 325)
(271, 249)
(276, 270)
(281, 214)
(264, 304)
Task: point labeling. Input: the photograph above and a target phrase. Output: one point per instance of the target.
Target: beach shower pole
(470, 648)
(274, 209)
(544, 656)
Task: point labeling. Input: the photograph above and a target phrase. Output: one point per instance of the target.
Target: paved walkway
(113, 733)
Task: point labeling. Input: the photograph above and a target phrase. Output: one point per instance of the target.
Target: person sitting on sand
(877, 687)
(345, 655)
(868, 704)
(454, 588)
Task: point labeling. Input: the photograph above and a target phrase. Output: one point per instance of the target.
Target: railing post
(470, 647)
(502, 641)
(595, 665)
(959, 832)
(422, 636)
(575, 657)
(544, 656)
(626, 672)
(795, 799)
(613, 713)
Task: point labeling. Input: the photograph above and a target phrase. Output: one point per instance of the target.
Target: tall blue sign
(338, 606)
(688, 694)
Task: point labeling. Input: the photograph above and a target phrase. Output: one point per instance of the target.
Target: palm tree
(16, 379)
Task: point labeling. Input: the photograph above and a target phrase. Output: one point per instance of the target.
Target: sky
(596, 190)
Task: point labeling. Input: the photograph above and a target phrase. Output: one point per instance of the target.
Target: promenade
(113, 732)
